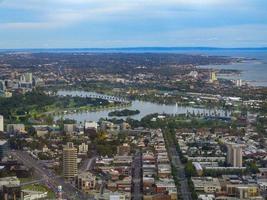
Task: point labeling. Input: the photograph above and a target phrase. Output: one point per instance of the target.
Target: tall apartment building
(69, 161)
(2, 86)
(26, 78)
(213, 76)
(3, 148)
(1, 123)
(234, 154)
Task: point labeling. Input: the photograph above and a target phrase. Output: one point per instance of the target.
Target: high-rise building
(26, 78)
(234, 154)
(69, 161)
(238, 82)
(2, 87)
(213, 76)
(3, 148)
(1, 123)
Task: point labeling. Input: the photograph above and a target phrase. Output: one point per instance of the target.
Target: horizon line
(134, 48)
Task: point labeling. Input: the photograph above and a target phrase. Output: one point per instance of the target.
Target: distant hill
(130, 49)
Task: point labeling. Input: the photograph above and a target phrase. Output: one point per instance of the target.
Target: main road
(50, 179)
(179, 167)
(137, 177)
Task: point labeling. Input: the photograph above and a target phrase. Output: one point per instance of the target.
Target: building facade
(234, 154)
(69, 161)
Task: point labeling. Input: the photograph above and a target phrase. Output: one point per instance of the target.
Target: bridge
(109, 98)
(98, 96)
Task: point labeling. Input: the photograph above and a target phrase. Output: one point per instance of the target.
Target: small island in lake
(122, 113)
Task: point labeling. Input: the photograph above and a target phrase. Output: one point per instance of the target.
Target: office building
(234, 154)
(1, 123)
(69, 161)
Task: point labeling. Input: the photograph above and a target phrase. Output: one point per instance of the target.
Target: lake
(145, 108)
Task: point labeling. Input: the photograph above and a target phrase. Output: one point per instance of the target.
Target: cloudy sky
(132, 23)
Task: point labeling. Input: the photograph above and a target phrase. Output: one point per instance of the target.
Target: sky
(132, 23)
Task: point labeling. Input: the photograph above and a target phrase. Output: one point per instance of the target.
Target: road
(176, 161)
(88, 164)
(137, 177)
(50, 179)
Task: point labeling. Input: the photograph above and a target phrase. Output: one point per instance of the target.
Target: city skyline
(112, 24)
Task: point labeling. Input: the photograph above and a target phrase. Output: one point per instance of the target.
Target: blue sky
(132, 23)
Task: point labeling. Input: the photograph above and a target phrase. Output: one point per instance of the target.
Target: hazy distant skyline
(132, 23)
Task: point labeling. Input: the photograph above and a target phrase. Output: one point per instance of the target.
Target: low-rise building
(69, 128)
(123, 150)
(33, 195)
(15, 128)
(86, 182)
(83, 148)
(207, 185)
(41, 130)
(11, 180)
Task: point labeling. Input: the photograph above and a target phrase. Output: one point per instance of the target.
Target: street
(185, 192)
(88, 164)
(137, 177)
(50, 179)
(176, 162)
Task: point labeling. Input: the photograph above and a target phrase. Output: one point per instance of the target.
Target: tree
(252, 168)
(190, 169)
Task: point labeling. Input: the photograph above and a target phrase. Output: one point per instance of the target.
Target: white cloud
(60, 13)
(26, 25)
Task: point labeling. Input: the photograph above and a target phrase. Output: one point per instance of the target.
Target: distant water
(254, 71)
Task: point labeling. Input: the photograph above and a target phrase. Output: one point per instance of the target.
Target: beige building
(242, 191)
(234, 154)
(207, 185)
(69, 161)
(83, 148)
(86, 182)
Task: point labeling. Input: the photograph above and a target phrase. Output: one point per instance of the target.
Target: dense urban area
(216, 149)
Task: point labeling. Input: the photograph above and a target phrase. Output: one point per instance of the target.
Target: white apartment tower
(1, 123)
